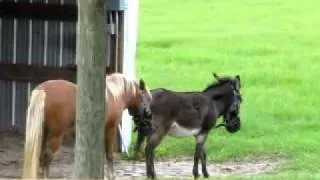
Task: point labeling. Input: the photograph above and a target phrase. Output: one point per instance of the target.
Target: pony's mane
(222, 81)
(118, 84)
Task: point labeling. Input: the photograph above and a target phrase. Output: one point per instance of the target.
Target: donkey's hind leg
(199, 153)
(204, 164)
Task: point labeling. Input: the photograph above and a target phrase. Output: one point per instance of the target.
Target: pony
(51, 116)
(189, 114)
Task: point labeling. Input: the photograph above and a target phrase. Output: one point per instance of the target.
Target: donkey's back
(181, 113)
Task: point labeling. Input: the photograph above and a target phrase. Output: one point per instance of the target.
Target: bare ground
(11, 157)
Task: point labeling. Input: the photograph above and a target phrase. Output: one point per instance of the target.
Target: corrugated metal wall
(26, 41)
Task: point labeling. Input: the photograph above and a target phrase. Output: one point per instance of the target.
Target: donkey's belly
(178, 130)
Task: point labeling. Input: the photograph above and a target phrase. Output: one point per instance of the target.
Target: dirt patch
(11, 158)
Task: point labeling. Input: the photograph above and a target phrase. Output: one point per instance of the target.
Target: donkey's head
(140, 105)
(232, 112)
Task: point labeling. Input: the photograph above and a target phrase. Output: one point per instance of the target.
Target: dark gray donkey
(190, 114)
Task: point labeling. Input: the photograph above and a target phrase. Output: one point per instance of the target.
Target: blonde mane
(118, 84)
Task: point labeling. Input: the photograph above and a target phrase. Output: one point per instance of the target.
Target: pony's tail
(34, 134)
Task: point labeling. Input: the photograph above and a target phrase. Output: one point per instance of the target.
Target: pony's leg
(201, 138)
(153, 141)
(110, 135)
(55, 142)
(137, 148)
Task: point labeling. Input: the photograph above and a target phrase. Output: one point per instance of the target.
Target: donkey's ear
(216, 76)
(142, 85)
(237, 81)
(238, 77)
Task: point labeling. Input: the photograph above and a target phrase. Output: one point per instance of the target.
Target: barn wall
(26, 41)
(53, 43)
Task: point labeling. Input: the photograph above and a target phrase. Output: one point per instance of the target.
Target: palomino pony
(190, 114)
(51, 115)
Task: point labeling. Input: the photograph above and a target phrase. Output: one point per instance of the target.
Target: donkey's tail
(34, 133)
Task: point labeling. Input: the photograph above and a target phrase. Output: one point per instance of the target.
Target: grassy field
(273, 45)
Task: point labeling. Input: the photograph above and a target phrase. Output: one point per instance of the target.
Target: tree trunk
(91, 102)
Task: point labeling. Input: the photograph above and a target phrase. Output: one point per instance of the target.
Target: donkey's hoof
(195, 174)
(152, 176)
(205, 174)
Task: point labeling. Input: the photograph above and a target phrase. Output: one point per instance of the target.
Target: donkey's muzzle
(142, 120)
(233, 124)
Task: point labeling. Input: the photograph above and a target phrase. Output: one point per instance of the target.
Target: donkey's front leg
(137, 148)
(152, 142)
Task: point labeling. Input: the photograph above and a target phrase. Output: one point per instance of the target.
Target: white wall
(131, 17)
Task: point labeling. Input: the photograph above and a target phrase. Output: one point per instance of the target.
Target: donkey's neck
(218, 96)
(214, 92)
(220, 106)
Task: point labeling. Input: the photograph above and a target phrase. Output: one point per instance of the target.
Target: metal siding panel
(29, 50)
(53, 40)
(7, 40)
(38, 1)
(61, 43)
(69, 43)
(1, 84)
(21, 103)
(53, 1)
(37, 47)
(33, 85)
(6, 56)
(14, 58)
(1, 44)
(6, 102)
(22, 41)
(1, 102)
(53, 43)
(70, 2)
(22, 58)
(37, 42)
(32, 55)
(116, 5)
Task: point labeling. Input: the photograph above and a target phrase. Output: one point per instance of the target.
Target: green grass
(273, 45)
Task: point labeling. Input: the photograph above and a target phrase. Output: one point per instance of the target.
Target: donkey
(191, 114)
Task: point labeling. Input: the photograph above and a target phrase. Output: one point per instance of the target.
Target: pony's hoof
(111, 177)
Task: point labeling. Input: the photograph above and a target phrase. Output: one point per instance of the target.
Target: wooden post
(91, 102)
